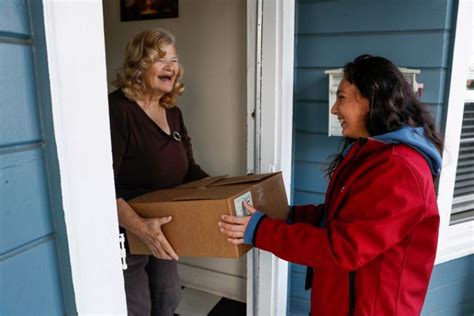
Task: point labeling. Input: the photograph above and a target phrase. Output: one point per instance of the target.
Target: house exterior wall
(450, 292)
(59, 251)
(30, 264)
(413, 34)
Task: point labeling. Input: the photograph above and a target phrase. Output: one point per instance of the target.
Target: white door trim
(455, 240)
(76, 61)
(272, 79)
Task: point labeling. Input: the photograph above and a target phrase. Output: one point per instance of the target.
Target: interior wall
(212, 47)
(211, 44)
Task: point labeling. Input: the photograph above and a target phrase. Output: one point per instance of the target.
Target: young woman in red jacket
(371, 246)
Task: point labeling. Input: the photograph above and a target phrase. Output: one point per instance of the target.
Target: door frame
(270, 54)
(455, 240)
(80, 118)
(82, 134)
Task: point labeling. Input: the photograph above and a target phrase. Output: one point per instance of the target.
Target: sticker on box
(239, 206)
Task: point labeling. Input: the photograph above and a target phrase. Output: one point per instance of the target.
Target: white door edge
(76, 62)
(271, 85)
(455, 241)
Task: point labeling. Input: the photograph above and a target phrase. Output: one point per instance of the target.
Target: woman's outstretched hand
(234, 226)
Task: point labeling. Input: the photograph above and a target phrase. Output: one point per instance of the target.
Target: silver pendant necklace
(176, 136)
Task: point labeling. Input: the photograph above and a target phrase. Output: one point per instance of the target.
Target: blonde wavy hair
(141, 53)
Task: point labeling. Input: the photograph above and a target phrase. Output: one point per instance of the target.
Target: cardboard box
(197, 206)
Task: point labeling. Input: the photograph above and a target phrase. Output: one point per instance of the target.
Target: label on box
(239, 206)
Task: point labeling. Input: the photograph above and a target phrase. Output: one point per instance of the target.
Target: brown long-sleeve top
(145, 158)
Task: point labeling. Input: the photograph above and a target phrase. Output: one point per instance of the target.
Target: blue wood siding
(451, 289)
(14, 18)
(26, 214)
(18, 91)
(32, 281)
(414, 34)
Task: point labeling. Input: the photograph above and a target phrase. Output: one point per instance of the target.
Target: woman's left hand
(234, 226)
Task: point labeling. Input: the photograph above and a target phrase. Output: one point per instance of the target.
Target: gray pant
(151, 286)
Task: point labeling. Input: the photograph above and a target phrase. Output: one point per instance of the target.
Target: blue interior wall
(414, 34)
(34, 261)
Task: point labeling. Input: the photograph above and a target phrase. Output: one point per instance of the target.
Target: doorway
(269, 84)
(211, 38)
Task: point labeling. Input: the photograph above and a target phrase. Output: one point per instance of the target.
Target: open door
(211, 40)
(237, 106)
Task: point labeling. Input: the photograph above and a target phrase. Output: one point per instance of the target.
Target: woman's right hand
(152, 235)
(147, 229)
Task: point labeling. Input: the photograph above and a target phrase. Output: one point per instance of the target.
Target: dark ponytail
(392, 102)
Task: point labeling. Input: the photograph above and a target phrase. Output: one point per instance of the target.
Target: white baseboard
(213, 282)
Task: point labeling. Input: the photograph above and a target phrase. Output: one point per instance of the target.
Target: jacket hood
(416, 139)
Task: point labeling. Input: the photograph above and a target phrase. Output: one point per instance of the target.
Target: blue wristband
(251, 227)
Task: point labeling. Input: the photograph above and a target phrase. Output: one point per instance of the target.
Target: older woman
(151, 150)
(372, 244)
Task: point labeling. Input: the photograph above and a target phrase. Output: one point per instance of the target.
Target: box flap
(211, 193)
(243, 179)
(202, 183)
(196, 196)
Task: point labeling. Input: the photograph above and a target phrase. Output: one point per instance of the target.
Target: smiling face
(351, 109)
(161, 76)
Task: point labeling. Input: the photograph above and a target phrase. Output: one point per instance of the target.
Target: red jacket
(382, 223)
